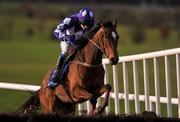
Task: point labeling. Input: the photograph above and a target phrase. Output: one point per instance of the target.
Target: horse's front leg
(93, 102)
(105, 89)
(80, 95)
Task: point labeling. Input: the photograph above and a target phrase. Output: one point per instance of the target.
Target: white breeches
(65, 47)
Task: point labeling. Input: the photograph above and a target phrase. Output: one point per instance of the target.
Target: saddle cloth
(63, 73)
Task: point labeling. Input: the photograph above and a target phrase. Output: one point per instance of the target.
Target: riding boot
(55, 77)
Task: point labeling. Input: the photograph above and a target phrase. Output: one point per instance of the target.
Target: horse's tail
(30, 105)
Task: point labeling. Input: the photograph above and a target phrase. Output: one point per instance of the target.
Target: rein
(96, 45)
(87, 64)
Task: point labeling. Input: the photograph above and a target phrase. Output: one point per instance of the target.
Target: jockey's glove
(69, 38)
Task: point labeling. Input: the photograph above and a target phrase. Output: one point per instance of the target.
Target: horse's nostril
(117, 59)
(114, 60)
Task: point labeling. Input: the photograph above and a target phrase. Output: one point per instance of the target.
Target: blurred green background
(28, 49)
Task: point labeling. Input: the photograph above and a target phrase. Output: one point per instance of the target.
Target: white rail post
(178, 80)
(116, 89)
(106, 81)
(168, 86)
(80, 108)
(126, 87)
(151, 106)
(88, 104)
(157, 87)
(136, 87)
(146, 85)
(99, 102)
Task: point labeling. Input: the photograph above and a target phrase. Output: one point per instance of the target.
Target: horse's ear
(101, 22)
(115, 23)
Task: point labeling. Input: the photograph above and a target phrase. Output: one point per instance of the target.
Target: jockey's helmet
(86, 16)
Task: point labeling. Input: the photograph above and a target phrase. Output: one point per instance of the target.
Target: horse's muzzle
(114, 61)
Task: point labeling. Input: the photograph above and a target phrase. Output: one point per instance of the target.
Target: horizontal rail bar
(146, 55)
(15, 86)
(25, 87)
(142, 98)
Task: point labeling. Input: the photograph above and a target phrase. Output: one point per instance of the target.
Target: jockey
(68, 32)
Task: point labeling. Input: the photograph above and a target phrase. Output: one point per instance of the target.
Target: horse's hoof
(31, 109)
(98, 110)
(83, 112)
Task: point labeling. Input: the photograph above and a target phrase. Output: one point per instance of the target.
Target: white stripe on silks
(60, 26)
(64, 47)
(67, 21)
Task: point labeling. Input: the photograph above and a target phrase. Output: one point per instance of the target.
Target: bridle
(87, 64)
(96, 45)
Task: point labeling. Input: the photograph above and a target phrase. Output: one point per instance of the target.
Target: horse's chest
(94, 79)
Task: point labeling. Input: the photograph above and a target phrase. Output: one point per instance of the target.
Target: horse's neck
(93, 55)
(90, 53)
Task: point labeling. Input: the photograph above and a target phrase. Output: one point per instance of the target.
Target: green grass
(24, 62)
(26, 59)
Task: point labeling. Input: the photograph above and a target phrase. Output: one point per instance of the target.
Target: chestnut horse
(85, 77)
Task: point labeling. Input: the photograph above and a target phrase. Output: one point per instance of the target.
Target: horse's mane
(89, 34)
(97, 26)
(107, 24)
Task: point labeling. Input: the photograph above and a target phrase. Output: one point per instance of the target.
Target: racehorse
(85, 77)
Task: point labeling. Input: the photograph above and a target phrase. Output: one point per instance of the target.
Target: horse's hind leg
(46, 95)
(105, 89)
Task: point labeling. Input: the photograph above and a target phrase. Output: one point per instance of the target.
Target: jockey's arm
(64, 29)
